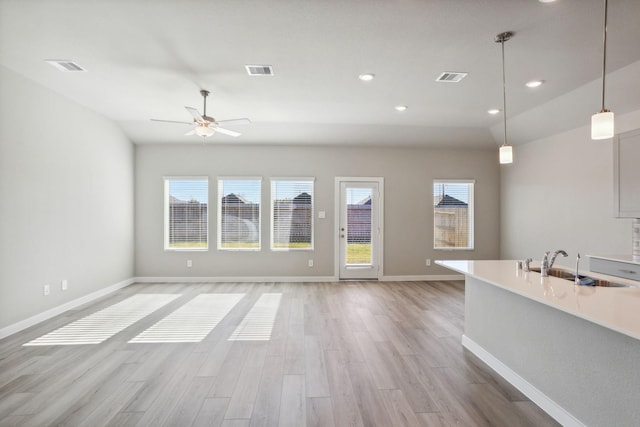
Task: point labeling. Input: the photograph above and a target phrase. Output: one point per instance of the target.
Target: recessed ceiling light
(546, 1)
(534, 83)
(401, 108)
(493, 111)
(366, 77)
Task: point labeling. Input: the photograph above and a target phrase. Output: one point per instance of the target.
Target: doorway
(359, 228)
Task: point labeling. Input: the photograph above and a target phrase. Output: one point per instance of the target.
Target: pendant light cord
(604, 52)
(504, 95)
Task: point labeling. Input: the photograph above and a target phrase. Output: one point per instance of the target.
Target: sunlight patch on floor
(107, 322)
(258, 323)
(192, 322)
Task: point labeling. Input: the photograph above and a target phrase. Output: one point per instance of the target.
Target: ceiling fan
(205, 125)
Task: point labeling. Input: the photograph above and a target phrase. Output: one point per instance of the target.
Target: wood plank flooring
(338, 354)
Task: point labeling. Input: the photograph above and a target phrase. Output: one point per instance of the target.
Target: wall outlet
(322, 214)
(64, 285)
(310, 263)
(427, 262)
(189, 263)
(46, 290)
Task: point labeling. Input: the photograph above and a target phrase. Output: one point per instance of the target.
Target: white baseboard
(423, 278)
(539, 398)
(289, 279)
(232, 279)
(33, 320)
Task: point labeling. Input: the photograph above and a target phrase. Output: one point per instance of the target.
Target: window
(239, 213)
(291, 213)
(185, 213)
(453, 214)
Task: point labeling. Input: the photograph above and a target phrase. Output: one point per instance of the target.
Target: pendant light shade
(602, 123)
(506, 154)
(506, 150)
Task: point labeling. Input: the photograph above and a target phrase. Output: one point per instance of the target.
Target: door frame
(336, 241)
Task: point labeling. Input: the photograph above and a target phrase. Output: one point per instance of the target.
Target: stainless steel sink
(568, 275)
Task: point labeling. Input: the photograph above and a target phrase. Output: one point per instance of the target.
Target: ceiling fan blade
(243, 121)
(227, 131)
(191, 132)
(172, 121)
(196, 115)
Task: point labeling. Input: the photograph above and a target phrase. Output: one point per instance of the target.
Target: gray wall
(558, 194)
(408, 175)
(66, 200)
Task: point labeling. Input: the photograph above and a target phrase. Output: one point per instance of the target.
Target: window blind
(186, 213)
(239, 213)
(453, 214)
(291, 213)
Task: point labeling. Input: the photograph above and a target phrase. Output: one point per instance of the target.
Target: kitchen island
(573, 350)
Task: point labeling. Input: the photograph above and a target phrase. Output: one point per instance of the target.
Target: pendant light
(506, 150)
(602, 122)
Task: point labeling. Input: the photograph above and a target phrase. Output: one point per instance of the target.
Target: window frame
(167, 212)
(470, 214)
(272, 216)
(220, 195)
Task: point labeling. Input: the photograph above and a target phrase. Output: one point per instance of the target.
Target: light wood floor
(340, 354)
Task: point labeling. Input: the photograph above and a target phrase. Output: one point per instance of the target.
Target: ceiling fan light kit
(204, 131)
(205, 125)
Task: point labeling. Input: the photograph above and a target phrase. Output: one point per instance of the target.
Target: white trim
(312, 180)
(289, 279)
(337, 213)
(423, 278)
(187, 250)
(455, 181)
(471, 220)
(239, 178)
(45, 315)
(554, 410)
(220, 196)
(185, 177)
(234, 279)
(292, 178)
(167, 194)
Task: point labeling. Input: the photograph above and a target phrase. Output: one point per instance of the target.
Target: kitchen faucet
(547, 264)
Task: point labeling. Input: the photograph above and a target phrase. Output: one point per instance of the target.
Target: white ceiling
(149, 59)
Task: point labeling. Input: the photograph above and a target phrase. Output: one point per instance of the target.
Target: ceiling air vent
(259, 70)
(451, 77)
(65, 65)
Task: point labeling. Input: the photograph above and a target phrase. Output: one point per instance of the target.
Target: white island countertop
(616, 308)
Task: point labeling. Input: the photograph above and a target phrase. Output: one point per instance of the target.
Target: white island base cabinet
(579, 372)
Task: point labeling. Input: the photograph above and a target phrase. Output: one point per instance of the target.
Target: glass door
(359, 230)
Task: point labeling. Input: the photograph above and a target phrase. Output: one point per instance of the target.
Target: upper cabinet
(626, 170)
